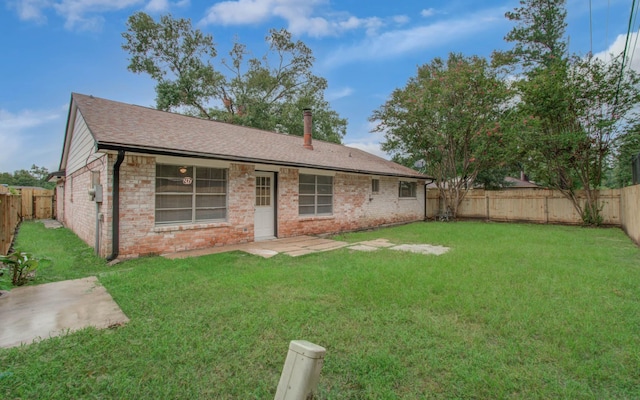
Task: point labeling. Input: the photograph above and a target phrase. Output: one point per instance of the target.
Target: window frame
(196, 194)
(411, 186)
(375, 185)
(319, 193)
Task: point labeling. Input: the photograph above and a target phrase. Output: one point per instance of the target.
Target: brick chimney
(307, 129)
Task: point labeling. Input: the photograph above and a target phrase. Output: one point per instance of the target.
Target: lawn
(512, 311)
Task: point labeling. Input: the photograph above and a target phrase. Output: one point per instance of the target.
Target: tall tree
(449, 116)
(35, 176)
(571, 108)
(627, 147)
(266, 93)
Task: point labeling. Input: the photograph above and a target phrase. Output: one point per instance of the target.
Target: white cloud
(370, 147)
(428, 12)
(401, 41)
(368, 140)
(301, 15)
(26, 140)
(239, 12)
(401, 19)
(85, 14)
(339, 94)
(75, 11)
(617, 47)
(31, 10)
(156, 6)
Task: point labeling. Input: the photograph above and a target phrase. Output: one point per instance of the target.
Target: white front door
(264, 219)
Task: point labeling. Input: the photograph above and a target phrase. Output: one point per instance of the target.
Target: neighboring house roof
(512, 183)
(120, 126)
(515, 183)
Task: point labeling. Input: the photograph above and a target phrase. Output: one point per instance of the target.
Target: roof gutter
(115, 224)
(147, 150)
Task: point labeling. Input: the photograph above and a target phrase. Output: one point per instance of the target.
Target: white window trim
(315, 203)
(193, 221)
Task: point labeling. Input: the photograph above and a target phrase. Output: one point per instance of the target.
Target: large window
(190, 194)
(407, 189)
(315, 195)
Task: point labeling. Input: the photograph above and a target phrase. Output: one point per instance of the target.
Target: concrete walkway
(301, 245)
(295, 246)
(31, 313)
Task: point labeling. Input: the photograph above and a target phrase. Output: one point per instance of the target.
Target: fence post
(486, 205)
(301, 371)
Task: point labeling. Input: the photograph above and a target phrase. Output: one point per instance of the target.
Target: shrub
(21, 265)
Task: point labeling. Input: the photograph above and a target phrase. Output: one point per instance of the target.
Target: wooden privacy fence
(527, 205)
(630, 212)
(37, 203)
(30, 203)
(10, 211)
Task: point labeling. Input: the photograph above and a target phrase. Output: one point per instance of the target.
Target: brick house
(162, 182)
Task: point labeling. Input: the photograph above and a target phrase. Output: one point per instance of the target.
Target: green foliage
(5, 278)
(67, 256)
(494, 178)
(449, 115)
(21, 266)
(36, 176)
(539, 35)
(570, 108)
(627, 146)
(265, 93)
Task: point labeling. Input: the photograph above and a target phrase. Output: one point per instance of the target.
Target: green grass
(512, 311)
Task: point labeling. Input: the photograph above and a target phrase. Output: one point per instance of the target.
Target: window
(263, 191)
(407, 189)
(375, 185)
(190, 194)
(315, 195)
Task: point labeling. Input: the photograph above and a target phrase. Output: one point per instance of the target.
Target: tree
(571, 108)
(627, 146)
(36, 176)
(538, 35)
(266, 93)
(449, 116)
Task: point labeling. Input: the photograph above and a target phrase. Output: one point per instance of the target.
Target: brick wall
(140, 236)
(354, 205)
(75, 208)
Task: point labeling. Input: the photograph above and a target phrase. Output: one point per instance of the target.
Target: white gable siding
(82, 146)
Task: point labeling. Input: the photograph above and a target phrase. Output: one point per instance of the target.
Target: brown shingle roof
(116, 125)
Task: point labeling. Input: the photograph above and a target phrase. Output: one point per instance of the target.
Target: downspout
(115, 220)
(426, 218)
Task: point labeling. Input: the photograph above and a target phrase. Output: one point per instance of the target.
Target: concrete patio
(31, 313)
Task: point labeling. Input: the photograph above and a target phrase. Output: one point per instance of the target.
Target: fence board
(630, 212)
(10, 211)
(37, 203)
(527, 205)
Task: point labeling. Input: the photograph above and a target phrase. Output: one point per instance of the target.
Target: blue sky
(365, 49)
